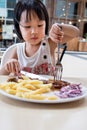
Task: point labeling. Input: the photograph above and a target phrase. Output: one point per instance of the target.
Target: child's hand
(12, 66)
(55, 33)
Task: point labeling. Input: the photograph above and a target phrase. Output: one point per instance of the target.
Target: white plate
(59, 100)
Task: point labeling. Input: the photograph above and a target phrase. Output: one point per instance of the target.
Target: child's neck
(30, 50)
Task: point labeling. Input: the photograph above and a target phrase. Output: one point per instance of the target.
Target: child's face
(32, 30)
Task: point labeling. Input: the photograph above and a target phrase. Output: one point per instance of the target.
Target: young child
(36, 53)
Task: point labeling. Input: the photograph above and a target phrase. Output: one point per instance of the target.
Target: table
(17, 115)
(75, 64)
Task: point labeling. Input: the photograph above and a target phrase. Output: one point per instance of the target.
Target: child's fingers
(17, 68)
(12, 67)
(57, 37)
(7, 68)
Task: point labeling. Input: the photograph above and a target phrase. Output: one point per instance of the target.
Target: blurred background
(63, 11)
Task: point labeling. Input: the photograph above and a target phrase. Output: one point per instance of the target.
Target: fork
(58, 66)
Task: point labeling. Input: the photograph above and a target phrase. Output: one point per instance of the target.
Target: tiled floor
(75, 65)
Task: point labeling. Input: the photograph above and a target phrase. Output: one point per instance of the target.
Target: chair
(7, 53)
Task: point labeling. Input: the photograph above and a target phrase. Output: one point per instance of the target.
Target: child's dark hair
(30, 5)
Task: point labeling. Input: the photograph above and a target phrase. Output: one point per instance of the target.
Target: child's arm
(67, 33)
(11, 65)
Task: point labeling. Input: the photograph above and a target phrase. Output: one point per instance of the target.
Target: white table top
(18, 115)
(75, 65)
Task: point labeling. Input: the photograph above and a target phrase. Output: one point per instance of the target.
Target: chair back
(6, 54)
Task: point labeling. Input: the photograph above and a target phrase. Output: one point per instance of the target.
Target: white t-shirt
(39, 63)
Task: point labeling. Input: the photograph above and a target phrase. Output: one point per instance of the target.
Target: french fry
(29, 89)
(37, 97)
(35, 82)
(43, 85)
(11, 91)
(29, 86)
(22, 89)
(40, 91)
(52, 97)
(19, 94)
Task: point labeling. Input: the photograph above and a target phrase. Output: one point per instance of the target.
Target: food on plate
(36, 89)
(16, 78)
(72, 90)
(28, 88)
(58, 84)
(12, 79)
(55, 84)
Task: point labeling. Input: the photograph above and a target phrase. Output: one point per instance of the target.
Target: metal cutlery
(33, 76)
(58, 66)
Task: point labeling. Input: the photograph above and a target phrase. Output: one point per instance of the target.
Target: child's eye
(27, 26)
(40, 25)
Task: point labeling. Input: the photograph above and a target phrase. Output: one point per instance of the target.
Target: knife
(33, 76)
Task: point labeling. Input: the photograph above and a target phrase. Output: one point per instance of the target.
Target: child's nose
(34, 30)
